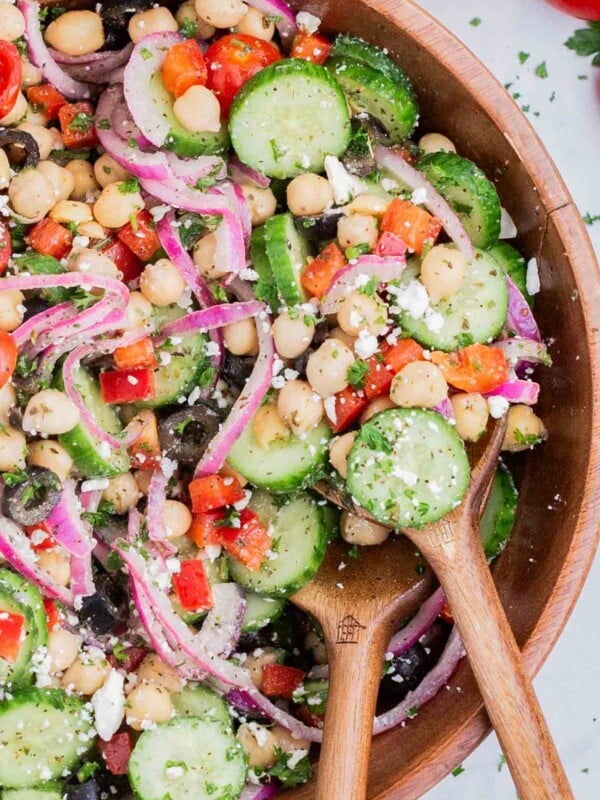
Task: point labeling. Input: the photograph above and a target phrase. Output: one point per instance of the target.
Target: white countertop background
(569, 683)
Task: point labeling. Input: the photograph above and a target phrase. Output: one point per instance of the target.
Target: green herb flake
(104, 124)
(353, 552)
(412, 712)
(374, 439)
(458, 771)
(287, 776)
(523, 57)
(357, 250)
(586, 42)
(357, 373)
(475, 22)
(130, 186)
(145, 53)
(114, 562)
(14, 478)
(526, 439)
(501, 763)
(541, 70)
(590, 219)
(81, 122)
(189, 28)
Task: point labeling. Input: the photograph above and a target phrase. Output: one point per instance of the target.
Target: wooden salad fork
(452, 547)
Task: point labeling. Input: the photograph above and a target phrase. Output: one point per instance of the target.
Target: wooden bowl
(542, 570)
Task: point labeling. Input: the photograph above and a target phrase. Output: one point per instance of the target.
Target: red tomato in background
(8, 357)
(232, 60)
(11, 73)
(584, 9)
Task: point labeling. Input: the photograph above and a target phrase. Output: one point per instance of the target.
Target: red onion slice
(517, 391)
(82, 577)
(410, 634)
(40, 56)
(192, 170)
(283, 14)
(517, 350)
(520, 317)
(222, 628)
(434, 202)
(157, 494)
(169, 237)
(68, 527)
(109, 59)
(356, 274)
(240, 173)
(213, 317)
(252, 792)
(43, 321)
(445, 409)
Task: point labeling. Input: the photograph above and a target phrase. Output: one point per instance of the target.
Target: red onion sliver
(517, 350)
(434, 202)
(68, 527)
(192, 170)
(157, 493)
(286, 20)
(82, 577)
(445, 409)
(348, 279)
(517, 391)
(252, 792)
(240, 173)
(222, 627)
(42, 322)
(213, 317)
(410, 634)
(169, 237)
(109, 59)
(520, 317)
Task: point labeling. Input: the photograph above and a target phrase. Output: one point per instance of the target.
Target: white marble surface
(569, 683)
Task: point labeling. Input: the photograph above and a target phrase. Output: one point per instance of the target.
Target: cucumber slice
(261, 611)
(43, 733)
(288, 117)
(179, 139)
(498, 518)
(408, 466)
(357, 49)
(85, 449)
(514, 265)
(369, 90)
(313, 694)
(299, 541)
(197, 700)
(49, 792)
(264, 288)
(188, 367)
(18, 596)
(476, 313)
(288, 252)
(188, 758)
(287, 465)
(469, 192)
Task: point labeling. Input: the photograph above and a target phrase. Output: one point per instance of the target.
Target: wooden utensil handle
(498, 667)
(355, 663)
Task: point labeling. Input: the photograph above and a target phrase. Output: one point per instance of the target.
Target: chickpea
(221, 13)
(51, 455)
(13, 448)
(268, 427)
(31, 75)
(241, 338)
(87, 673)
(256, 662)
(12, 309)
(177, 519)
(122, 492)
(187, 11)
(57, 564)
(309, 194)
(369, 204)
(115, 207)
(358, 312)
(92, 230)
(524, 429)
(35, 115)
(471, 413)
(83, 174)
(292, 336)
(261, 203)
(357, 229)
(435, 143)
(107, 170)
(300, 407)
(443, 271)
(61, 179)
(12, 23)
(287, 742)
(316, 646)
(44, 137)
(143, 478)
(155, 20)
(341, 336)
(339, 450)
(375, 407)
(71, 212)
(161, 283)
(138, 312)
(327, 368)
(356, 530)
(419, 383)
(31, 194)
(92, 262)
(50, 411)
(154, 670)
(147, 703)
(17, 112)
(4, 170)
(76, 33)
(204, 254)
(253, 23)
(8, 399)
(198, 110)
(63, 649)
(259, 743)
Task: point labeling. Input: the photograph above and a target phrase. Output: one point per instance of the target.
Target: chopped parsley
(81, 122)
(104, 125)
(100, 517)
(145, 53)
(370, 287)
(589, 219)
(357, 373)
(458, 771)
(541, 70)
(586, 42)
(357, 250)
(475, 22)
(219, 293)
(527, 439)
(209, 180)
(15, 478)
(501, 763)
(189, 28)
(523, 57)
(353, 552)
(120, 652)
(114, 562)
(25, 366)
(129, 186)
(412, 712)
(290, 776)
(277, 151)
(374, 439)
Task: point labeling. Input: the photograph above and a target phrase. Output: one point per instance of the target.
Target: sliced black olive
(407, 671)
(115, 16)
(30, 500)
(236, 370)
(90, 790)
(107, 610)
(33, 306)
(23, 140)
(320, 227)
(184, 435)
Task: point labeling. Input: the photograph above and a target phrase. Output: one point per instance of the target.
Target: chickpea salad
(231, 267)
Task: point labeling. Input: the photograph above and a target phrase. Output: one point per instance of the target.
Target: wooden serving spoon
(453, 548)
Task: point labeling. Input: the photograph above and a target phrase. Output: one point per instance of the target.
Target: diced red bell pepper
(8, 357)
(128, 264)
(281, 681)
(127, 385)
(40, 536)
(203, 530)
(214, 491)
(184, 66)
(192, 586)
(138, 354)
(50, 239)
(379, 377)
(311, 47)
(130, 660)
(476, 368)
(389, 244)
(47, 99)
(77, 125)
(141, 237)
(145, 452)
(53, 615)
(11, 74)
(398, 355)
(11, 635)
(349, 405)
(116, 752)
(250, 543)
(319, 274)
(411, 223)
(5, 247)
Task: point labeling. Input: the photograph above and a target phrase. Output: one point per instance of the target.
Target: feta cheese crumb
(532, 279)
(307, 22)
(344, 185)
(419, 196)
(498, 406)
(96, 484)
(109, 705)
(508, 229)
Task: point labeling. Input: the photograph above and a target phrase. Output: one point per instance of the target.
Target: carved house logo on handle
(349, 630)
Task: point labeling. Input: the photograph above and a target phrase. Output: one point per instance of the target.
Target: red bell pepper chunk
(379, 377)
(141, 237)
(411, 223)
(47, 99)
(50, 239)
(8, 357)
(318, 275)
(40, 536)
(116, 752)
(214, 491)
(390, 244)
(138, 354)
(5, 247)
(280, 681)
(192, 587)
(53, 615)
(398, 355)
(11, 74)
(349, 405)
(250, 543)
(311, 47)
(127, 385)
(77, 125)
(11, 635)
(475, 368)
(130, 659)
(184, 66)
(128, 264)
(204, 530)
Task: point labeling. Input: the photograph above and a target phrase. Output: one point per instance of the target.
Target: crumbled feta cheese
(104, 450)
(81, 241)
(194, 395)
(213, 551)
(508, 229)
(405, 475)
(366, 344)
(109, 705)
(260, 733)
(329, 405)
(164, 358)
(41, 662)
(389, 184)
(96, 484)
(212, 349)
(344, 185)
(295, 757)
(498, 406)
(307, 22)
(173, 565)
(419, 196)
(172, 773)
(158, 212)
(168, 466)
(532, 280)
(249, 274)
